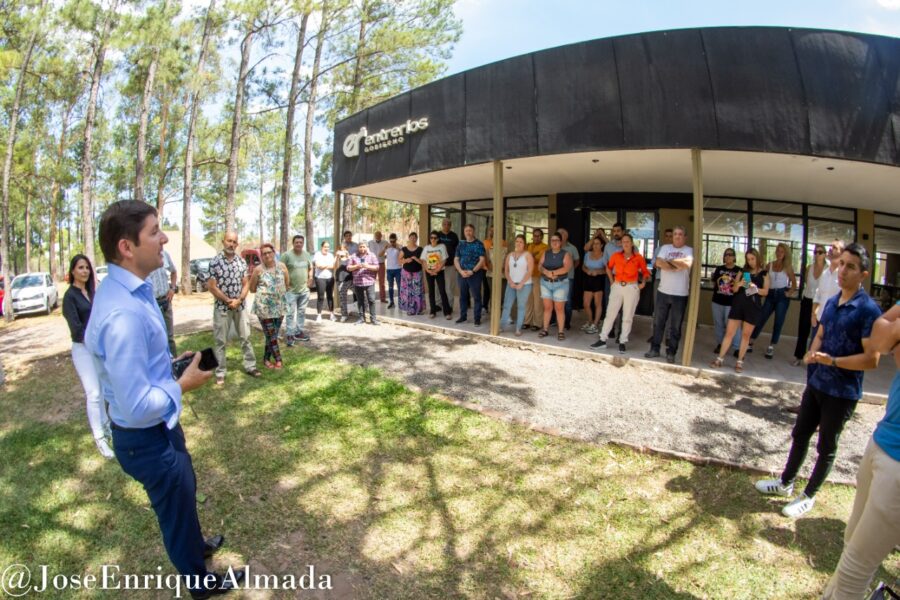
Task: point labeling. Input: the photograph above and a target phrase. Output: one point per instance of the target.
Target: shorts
(558, 290)
(594, 283)
(745, 308)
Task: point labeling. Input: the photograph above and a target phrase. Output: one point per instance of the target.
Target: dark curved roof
(767, 89)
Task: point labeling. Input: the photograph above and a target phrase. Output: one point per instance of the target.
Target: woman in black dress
(750, 287)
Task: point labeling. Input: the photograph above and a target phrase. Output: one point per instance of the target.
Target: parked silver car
(32, 293)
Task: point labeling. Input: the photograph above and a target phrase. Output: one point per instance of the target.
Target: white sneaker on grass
(774, 487)
(319, 318)
(799, 506)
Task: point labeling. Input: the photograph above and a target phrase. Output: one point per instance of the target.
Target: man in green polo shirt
(299, 267)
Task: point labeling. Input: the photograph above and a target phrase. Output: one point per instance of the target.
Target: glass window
(722, 230)
(642, 227)
(725, 204)
(771, 230)
(883, 220)
(439, 212)
(525, 221)
(602, 219)
(886, 271)
(778, 208)
(830, 213)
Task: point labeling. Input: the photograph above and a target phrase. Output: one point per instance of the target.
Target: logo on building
(385, 138)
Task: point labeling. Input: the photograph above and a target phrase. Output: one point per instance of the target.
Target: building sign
(392, 136)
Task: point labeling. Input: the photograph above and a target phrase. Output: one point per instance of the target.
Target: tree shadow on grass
(393, 493)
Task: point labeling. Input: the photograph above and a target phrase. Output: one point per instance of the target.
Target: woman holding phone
(746, 307)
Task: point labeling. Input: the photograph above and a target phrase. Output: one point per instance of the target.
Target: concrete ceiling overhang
(756, 175)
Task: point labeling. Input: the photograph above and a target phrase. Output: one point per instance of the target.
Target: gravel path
(737, 421)
(597, 401)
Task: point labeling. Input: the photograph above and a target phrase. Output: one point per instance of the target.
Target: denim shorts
(558, 290)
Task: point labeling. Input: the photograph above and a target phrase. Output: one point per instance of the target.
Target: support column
(497, 251)
(335, 245)
(690, 331)
(424, 224)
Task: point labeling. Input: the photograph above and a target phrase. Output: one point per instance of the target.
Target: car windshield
(27, 281)
(203, 265)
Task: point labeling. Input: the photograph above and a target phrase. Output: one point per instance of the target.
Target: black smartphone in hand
(208, 362)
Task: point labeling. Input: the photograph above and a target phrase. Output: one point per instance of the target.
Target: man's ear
(125, 248)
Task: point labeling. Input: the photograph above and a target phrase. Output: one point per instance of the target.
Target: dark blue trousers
(668, 309)
(158, 458)
(471, 285)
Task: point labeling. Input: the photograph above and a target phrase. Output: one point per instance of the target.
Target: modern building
(747, 136)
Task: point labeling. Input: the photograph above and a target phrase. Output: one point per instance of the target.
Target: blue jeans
(296, 311)
(467, 285)
(720, 322)
(521, 298)
(393, 277)
(776, 302)
(668, 308)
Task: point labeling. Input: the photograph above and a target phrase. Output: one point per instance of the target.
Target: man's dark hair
(297, 237)
(668, 230)
(619, 225)
(860, 252)
(348, 231)
(122, 220)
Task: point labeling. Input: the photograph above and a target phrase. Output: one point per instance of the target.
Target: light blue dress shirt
(127, 337)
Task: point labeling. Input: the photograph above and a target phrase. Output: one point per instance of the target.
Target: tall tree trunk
(5, 229)
(275, 218)
(161, 178)
(307, 137)
(289, 134)
(28, 232)
(54, 192)
(262, 201)
(87, 166)
(141, 159)
(189, 158)
(231, 184)
(347, 213)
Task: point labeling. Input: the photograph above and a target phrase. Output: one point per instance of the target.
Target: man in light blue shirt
(127, 337)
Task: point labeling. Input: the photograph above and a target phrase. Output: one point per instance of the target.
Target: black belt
(624, 283)
(114, 425)
(547, 279)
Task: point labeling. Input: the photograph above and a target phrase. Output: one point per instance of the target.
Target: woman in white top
(810, 285)
(324, 265)
(435, 255)
(392, 267)
(783, 285)
(517, 269)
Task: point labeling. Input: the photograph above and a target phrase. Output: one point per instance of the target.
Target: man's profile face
(617, 233)
(148, 254)
(230, 243)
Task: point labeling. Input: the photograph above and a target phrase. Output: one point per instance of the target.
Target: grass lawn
(399, 495)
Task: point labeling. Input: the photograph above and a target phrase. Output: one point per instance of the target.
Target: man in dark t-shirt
(449, 239)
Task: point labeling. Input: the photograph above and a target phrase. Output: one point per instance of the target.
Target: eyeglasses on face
(268, 253)
(820, 252)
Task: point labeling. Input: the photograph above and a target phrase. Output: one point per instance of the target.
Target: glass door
(601, 219)
(641, 224)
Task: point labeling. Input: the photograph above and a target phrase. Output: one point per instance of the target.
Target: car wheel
(49, 308)
(198, 287)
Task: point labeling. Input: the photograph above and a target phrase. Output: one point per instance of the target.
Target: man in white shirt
(162, 280)
(828, 283)
(377, 247)
(675, 261)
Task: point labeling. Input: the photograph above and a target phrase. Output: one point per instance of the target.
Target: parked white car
(33, 292)
(100, 273)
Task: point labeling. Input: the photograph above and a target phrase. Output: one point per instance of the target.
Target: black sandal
(254, 373)
(543, 333)
(560, 336)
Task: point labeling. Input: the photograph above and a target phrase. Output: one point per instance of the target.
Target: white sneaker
(333, 318)
(318, 318)
(799, 506)
(774, 487)
(343, 318)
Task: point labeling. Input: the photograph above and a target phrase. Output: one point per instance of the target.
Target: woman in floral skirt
(412, 287)
(269, 282)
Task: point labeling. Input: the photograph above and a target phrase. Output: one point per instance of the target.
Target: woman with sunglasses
(811, 284)
(555, 266)
(435, 255)
(76, 309)
(723, 279)
(269, 282)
